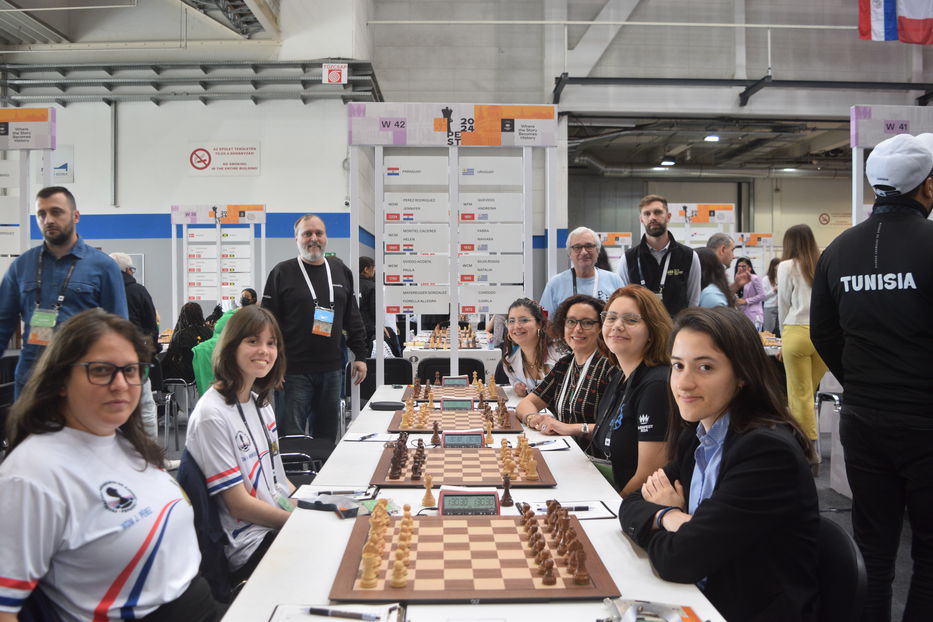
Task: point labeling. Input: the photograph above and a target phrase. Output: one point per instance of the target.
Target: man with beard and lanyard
(870, 321)
(312, 299)
(583, 277)
(668, 268)
(49, 283)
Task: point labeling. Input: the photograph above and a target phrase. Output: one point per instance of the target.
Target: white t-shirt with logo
(229, 455)
(100, 530)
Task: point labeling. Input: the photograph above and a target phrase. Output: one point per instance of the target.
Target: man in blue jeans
(312, 298)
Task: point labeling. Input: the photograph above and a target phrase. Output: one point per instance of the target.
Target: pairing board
(459, 467)
(440, 392)
(457, 420)
(468, 559)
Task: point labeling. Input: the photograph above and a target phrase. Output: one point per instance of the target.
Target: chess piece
(531, 469)
(368, 580)
(489, 440)
(428, 499)
(436, 437)
(581, 576)
(430, 398)
(549, 578)
(399, 575)
(437, 378)
(506, 493)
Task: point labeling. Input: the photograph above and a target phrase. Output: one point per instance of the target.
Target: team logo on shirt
(117, 497)
(643, 423)
(242, 441)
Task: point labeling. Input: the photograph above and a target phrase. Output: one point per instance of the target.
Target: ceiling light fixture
(712, 138)
(668, 161)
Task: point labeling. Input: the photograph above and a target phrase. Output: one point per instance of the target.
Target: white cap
(899, 165)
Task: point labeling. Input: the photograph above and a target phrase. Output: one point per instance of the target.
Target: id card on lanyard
(277, 489)
(566, 385)
(323, 316)
(42, 322)
(641, 275)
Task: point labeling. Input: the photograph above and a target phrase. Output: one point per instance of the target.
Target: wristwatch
(585, 429)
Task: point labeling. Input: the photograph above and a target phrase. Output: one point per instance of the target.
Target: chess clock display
(454, 404)
(455, 381)
(466, 503)
(462, 439)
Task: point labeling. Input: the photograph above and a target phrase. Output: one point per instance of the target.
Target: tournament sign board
(483, 299)
(27, 128)
(410, 299)
(491, 207)
(446, 124)
(869, 125)
(492, 268)
(422, 269)
(413, 238)
(703, 213)
(491, 237)
(415, 207)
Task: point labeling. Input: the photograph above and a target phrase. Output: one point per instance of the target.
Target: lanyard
(272, 453)
(629, 383)
(641, 275)
(573, 275)
(566, 385)
(61, 291)
(330, 282)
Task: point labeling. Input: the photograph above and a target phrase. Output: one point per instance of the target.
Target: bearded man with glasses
(583, 277)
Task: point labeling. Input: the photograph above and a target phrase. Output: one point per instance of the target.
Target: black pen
(334, 613)
(570, 508)
(539, 443)
(340, 492)
(366, 436)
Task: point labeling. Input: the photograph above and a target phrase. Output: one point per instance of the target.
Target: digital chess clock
(456, 404)
(455, 381)
(462, 439)
(466, 503)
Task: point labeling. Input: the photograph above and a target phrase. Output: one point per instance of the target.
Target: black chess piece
(506, 494)
(436, 437)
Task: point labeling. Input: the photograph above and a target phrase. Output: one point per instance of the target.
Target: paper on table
(356, 437)
(311, 491)
(387, 613)
(551, 444)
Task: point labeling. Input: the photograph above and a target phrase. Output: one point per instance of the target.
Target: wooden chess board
(456, 420)
(451, 392)
(469, 559)
(459, 467)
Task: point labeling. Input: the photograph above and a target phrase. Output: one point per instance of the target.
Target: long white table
(300, 566)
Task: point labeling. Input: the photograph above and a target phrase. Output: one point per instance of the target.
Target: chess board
(459, 467)
(451, 392)
(456, 420)
(469, 559)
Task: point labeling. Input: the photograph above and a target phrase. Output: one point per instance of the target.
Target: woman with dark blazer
(736, 510)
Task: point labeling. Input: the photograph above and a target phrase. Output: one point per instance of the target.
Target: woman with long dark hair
(714, 286)
(527, 353)
(572, 389)
(802, 364)
(83, 488)
(232, 436)
(750, 296)
(735, 511)
(190, 330)
(631, 423)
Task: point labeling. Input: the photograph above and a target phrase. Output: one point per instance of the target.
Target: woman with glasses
(89, 517)
(527, 353)
(232, 437)
(631, 424)
(572, 389)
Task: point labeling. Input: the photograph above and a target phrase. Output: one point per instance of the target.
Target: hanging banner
(415, 207)
(430, 299)
(210, 214)
(432, 125)
(869, 125)
(702, 213)
(492, 268)
(27, 128)
(416, 269)
(415, 238)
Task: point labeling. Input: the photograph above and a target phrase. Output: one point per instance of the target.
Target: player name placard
(490, 238)
(432, 299)
(483, 299)
(490, 171)
(415, 170)
(492, 268)
(417, 207)
(412, 238)
(490, 207)
(422, 269)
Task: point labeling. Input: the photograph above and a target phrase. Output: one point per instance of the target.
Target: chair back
(397, 371)
(501, 377)
(841, 573)
(428, 367)
(211, 536)
(367, 387)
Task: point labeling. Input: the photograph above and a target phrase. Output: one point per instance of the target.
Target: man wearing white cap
(870, 320)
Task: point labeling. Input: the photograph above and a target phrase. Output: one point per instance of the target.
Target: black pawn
(506, 494)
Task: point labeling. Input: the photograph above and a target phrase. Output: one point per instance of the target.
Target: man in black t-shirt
(312, 299)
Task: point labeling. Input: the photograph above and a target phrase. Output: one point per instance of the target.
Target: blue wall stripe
(278, 225)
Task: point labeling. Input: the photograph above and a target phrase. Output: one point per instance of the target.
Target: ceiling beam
(268, 18)
(583, 58)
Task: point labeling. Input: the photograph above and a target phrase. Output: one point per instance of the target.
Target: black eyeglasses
(102, 373)
(583, 247)
(585, 324)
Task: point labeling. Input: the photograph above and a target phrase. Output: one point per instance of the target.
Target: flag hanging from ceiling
(910, 21)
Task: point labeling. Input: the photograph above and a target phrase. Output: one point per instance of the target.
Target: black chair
(166, 403)
(841, 574)
(501, 378)
(7, 389)
(427, 368)
(397, 371)
(303, 456)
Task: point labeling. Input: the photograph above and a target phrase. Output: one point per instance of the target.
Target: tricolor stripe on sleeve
(13, 592)
(223, 480)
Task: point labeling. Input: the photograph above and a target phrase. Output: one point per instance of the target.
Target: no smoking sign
(200, 158)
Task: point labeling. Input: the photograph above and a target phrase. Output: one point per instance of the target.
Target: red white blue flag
(909, 21)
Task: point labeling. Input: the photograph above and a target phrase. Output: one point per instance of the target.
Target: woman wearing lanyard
(631, 424)
(232, 436)
(527, 353)
(571, 391)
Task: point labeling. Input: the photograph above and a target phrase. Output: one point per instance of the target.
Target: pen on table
(367, 436)
(340, 492)
(570, 508)
(539, 443)
(334, 613)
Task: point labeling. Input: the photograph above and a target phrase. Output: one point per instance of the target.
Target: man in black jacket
(870, 320)
(668, 268)
(312, 298)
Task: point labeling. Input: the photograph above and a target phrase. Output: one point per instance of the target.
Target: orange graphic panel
(440, 124)
(23, 114)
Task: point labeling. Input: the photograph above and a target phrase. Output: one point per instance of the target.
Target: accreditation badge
(42, 326)
(323, 322)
